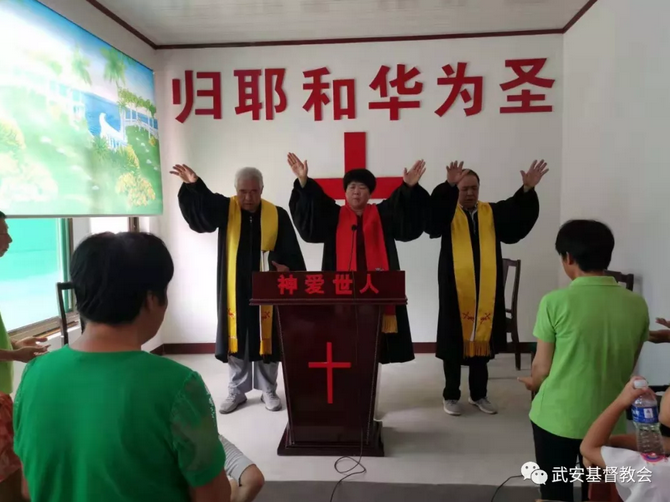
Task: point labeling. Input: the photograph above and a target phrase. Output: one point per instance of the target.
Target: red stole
(375, 250)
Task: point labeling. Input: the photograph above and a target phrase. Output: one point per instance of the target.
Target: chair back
(627, 279)
(516, 264)
(61, 289)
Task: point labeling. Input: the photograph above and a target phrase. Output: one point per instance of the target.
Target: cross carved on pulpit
(355, 158)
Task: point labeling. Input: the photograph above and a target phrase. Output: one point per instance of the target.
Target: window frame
(51, 325)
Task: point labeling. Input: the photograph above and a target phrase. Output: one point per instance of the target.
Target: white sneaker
(232, 402)
(272, 401)
(484, 405)
(452, 407)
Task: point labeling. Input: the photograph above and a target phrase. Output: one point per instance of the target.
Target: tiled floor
(423, 444)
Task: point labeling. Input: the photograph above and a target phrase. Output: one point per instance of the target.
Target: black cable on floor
(503, 484)
(347, 473)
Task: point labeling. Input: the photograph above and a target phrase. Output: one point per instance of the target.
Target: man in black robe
(508, 222)
(260, 231)
(401, 217)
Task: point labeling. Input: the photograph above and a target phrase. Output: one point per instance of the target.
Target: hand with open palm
(299, 169)
(29, 348)
(184, 172)
(412, 177)
(532, 178)
(455, 173)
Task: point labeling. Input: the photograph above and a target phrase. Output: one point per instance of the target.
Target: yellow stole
(476, 319)
(269, 229)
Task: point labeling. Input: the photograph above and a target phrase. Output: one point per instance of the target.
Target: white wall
(495, 145)
(616, 144)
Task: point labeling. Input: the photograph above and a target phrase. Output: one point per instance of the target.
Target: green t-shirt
(6, 367)
(114, 427)
(597, 328)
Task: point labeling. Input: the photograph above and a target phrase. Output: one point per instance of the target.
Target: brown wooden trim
(424, 347)
(188, 348)
(123, 23)
(579, 15)
(430, 347)
(133, 224)
(364, 40)
(43, 328)
(208, 348)
(331, 41)
(524, 348)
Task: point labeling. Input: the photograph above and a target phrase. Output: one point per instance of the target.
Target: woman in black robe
(403, 215)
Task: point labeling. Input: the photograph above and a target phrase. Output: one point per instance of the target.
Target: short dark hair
(589, 242)
(2, 215)
(360, 176)
(112, 275)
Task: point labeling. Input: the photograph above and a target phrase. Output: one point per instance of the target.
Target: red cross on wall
(355, 158)
(329, 366)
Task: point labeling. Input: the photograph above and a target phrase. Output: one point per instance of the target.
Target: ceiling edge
(330, 41)
(123, 23)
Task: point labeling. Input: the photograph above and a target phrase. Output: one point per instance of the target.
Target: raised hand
(534, 175)
(299, 169)
(663, 322)
(413, 176)
(455, 173)
(186, 174)
(280, 267)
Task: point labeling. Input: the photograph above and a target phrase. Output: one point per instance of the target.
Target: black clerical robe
(513, 219)
(205, 211)
(403, 217)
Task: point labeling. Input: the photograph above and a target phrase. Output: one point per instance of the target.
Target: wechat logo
(532, 471)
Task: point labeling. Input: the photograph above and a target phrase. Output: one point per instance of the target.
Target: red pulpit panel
(330, 334)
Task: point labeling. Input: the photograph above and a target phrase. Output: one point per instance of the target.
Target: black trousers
(478, 380)
(552, 452)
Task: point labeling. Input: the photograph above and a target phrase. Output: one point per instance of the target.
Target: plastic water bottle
(645, 418)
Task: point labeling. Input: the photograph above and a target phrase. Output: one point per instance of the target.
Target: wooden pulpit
(330, 334)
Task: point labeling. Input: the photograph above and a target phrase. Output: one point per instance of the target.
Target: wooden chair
(627, 279)
(61, 288)
(512, 324)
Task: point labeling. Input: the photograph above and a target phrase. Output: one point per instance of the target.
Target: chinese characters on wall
(260, 92)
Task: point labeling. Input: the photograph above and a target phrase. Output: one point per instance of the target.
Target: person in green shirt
(589, 337)
(24, 351)
(100, 419)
